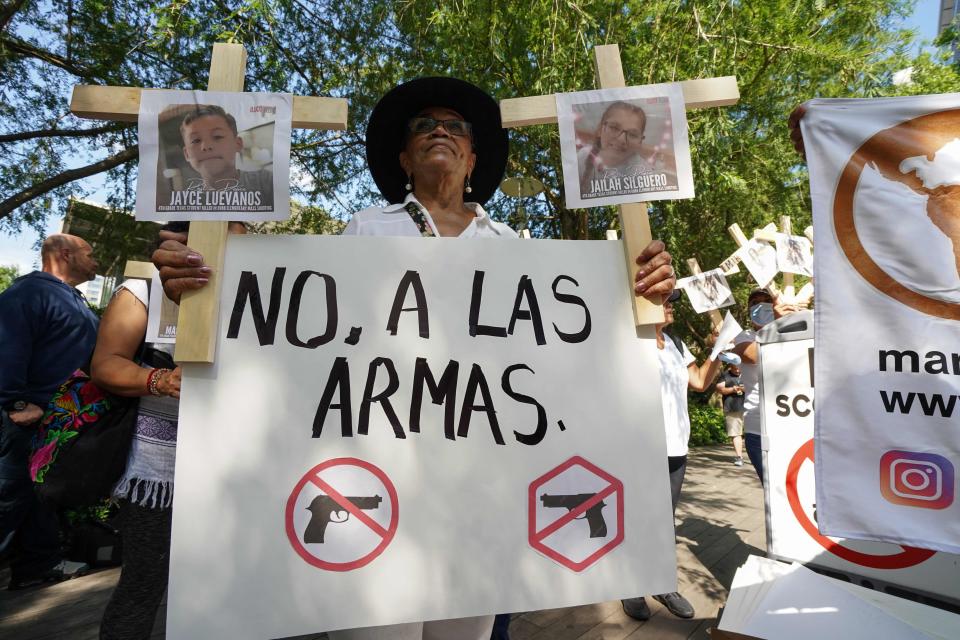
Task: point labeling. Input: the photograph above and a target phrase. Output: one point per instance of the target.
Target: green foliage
(303, 220)
(781, 51)
(706, 425)
(7, 275)
(100, 512)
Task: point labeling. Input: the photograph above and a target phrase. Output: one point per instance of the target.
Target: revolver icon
(323, 508)
(594, 515)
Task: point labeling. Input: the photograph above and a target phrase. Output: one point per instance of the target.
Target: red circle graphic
(359, 562)
(908, 557)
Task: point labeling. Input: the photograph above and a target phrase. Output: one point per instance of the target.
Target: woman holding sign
(437, 151)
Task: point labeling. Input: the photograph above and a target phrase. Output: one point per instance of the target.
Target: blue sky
(18, 250)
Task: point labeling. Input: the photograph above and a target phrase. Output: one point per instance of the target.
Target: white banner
(390, 435)
(884, 175)
(792, 509)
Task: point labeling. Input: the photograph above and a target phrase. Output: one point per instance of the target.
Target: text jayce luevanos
(214, 198)
(442, 390)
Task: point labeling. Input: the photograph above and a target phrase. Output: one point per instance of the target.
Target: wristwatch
(19, 405)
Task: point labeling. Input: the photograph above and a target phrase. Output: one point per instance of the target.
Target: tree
(783, 52)
(45, 150)
(7, 275)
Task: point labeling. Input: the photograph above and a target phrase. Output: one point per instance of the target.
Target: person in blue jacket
(47, 331)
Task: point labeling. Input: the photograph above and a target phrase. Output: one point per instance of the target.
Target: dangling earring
(409, 185)
(467, 188)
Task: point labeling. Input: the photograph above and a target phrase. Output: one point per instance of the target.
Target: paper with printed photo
(707, 291)
(624, 145)
(794, 255)
(162, 315)
(207, 155)
(729, 330)
(760, 259)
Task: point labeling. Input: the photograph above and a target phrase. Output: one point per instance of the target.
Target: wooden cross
(137, 269)
(200, 309)
(634, 222)
(805, 294)
(788, 290)
(738, 236)
(716, 318)
(769, 234)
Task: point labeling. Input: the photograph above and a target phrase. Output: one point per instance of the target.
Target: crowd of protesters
(52, 331)
(437, 151)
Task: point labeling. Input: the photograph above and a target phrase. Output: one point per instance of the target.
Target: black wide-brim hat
(386, 132)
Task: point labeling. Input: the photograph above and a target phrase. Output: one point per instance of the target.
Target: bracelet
(153, 378)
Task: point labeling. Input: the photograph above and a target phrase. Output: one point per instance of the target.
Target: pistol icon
(323, 508)
(594, 515)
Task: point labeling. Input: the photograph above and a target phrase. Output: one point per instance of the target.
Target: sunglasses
(423, 124)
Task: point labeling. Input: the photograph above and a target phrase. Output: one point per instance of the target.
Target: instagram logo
(914, 479)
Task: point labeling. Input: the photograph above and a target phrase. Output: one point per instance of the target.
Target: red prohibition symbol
(343, 504)
(582, 506)
(908, 557)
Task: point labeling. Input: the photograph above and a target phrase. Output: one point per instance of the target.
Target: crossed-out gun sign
(594, 515)
(323, 508)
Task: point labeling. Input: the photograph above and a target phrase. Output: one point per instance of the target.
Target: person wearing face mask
(763, 310)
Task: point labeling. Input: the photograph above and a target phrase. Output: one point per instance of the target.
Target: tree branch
(37, 190)
(8, 10)
(62, 133)
(25, 48)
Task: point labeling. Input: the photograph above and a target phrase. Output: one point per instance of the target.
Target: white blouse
(393, 220)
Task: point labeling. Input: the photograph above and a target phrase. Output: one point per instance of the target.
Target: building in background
(116, 237)
(948, 13)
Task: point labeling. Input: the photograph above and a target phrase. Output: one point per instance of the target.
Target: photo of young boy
(211, 146)
(216, 157)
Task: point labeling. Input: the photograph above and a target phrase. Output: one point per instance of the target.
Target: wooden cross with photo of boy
(199, 309)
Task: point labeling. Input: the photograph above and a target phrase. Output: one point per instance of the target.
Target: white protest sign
(389, 435)
(760, 259)
(624, 145)
(883, 180)
(792, 509)
(214, 155)
(706, 291)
